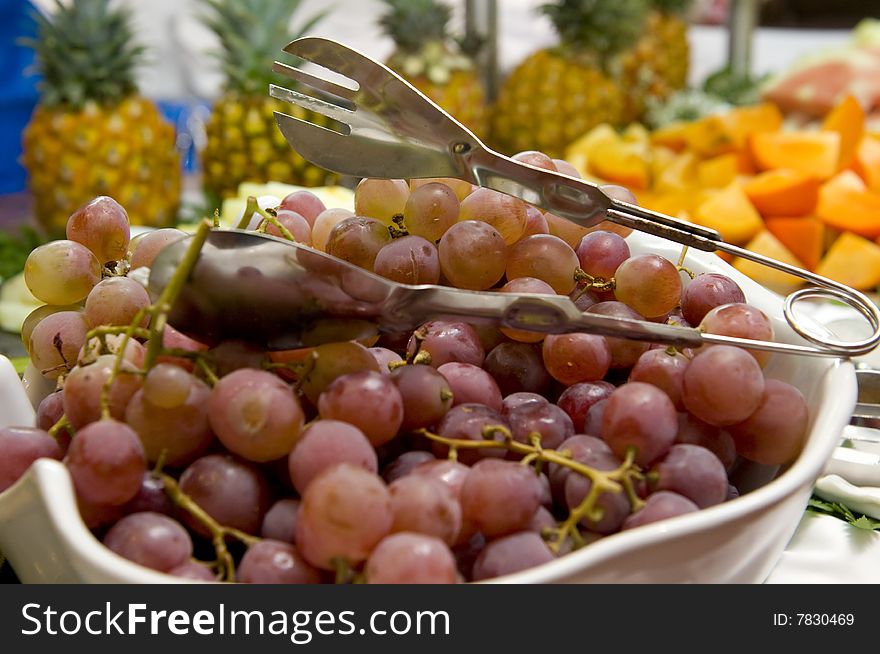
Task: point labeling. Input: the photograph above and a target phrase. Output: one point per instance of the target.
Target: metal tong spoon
(381, 126)
(252, 286)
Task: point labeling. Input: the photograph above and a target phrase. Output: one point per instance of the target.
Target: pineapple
(430, 60)
(243, 142)
(558, 94)
(91, 133)
(657, 65)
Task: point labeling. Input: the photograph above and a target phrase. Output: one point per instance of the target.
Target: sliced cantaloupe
(710, 136)
(770, 246)
(719, 171)
(744, 121)
(810, 152)
(783, 192)
(672, 135)
(852, 260)
(636, 133)
(679, 175)
(848, 205)
(731, 213)
(579, 151)
(804, 236)
(848, 120)
(867, 162)
(621, 162)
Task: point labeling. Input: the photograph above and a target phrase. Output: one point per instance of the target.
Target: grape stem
(158, 313)
(218, 532)
(63, 423)
(680, 265)
(612, 481)
(589, 283)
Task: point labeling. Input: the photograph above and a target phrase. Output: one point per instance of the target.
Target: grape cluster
(453, 453)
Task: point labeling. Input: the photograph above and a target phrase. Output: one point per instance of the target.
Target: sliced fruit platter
(809, 196)
(455, 452)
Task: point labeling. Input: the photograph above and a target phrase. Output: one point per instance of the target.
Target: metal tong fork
(381, 126)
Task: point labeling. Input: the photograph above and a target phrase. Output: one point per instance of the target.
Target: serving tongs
(254, 286)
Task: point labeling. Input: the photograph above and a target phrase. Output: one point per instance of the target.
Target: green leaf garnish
(842, 512)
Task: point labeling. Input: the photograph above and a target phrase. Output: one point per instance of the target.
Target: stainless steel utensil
(381, 126)
(253, 286)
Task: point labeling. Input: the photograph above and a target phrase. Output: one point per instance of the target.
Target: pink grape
(145, 248)
(427, 506)
(407, 558)
(735, 400)
(106, 462)
(232, 491)
(451, 474)
(324, 224)
(150, 539)
(546, 420)
(500, 497)
(381, 199)
(473, 255)
(279, 523)
(345, 512)
(694, 472)
(405, 464)
(512, 553)
(358, 240)
(536, 223)
(305, 203)
(255, 414)
(595, 417)
(661, 505)
(102, 226)
(151, 496)
(577, 399)
(707, 291)
(516, 400)
(649, 284)
(274, 562)
(471, 384)
(384, 357)
(469, 422)
(460, 187)
(368, 400)
(178, 428)
(743, 321)
(55, 342)
(85, 384)
(425, 393)
(430, 210)
(505, 213)
(642, 416)
(193, 571)
(664, 370)
(535, 158)
(21, 446)
(615, 507)
(294, 223)
(693, 431)
(409, 260)
(447, 341)
(573, 358)
(544, 257)
(518, 367)
(116, 301)
(775, 432)
(326, 443)
(601, 253)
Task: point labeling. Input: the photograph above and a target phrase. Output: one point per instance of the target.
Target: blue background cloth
(18, 92)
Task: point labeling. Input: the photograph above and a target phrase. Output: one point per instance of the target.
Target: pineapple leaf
(604, 27)
(86, 52)
(251, 35)
(410, 23)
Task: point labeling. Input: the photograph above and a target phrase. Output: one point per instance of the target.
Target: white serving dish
(736, 542)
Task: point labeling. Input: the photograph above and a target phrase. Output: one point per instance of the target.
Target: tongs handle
(585, 204)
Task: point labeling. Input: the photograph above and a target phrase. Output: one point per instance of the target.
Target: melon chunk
(730, 213)
(852, 260)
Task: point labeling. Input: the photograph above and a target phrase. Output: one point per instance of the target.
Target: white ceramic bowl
(735, 542)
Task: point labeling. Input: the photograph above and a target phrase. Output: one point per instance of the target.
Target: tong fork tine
(395, 131)
(316, 82)
(334, 111)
